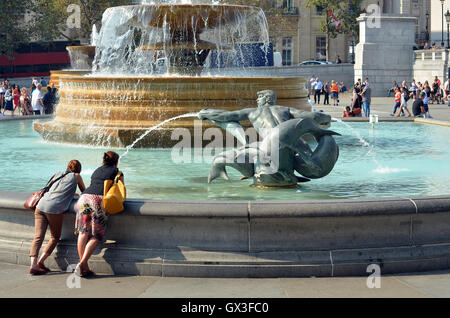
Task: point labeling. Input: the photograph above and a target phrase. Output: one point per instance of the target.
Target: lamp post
(427, 15)
(442, 9)
(447, 18)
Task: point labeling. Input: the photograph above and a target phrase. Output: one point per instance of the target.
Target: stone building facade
(296, 33)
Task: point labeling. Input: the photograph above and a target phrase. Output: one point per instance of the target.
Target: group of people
(91, 219)
(420, 92)
(428, 46)
(27, 101)
(318, 88)
(435, 91)
(361, 100)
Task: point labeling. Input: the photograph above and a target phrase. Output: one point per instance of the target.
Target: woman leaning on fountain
(49, 213)
(91, 217)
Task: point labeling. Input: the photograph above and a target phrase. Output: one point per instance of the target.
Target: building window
(287, 51)
(321, 48)
(319, 10)
(288, 4)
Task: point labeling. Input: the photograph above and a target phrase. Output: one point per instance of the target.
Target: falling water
(94, 35)
(371, 153)
(131, 36)
(154, 128)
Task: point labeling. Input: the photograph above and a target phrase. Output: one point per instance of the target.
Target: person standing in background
(36, 101)
(317, 91)
(326, 93)
(16, 99)
(335, 93)
(366, 99)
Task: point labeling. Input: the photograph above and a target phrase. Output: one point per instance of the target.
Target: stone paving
(16, 282)
(383, 107)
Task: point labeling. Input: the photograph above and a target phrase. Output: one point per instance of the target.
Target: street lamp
(427, 15)
(447, 18)
(442, 5)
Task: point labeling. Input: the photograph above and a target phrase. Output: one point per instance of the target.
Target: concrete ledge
(250, 238)
(380, 119)
(33, 117)
(432, 122)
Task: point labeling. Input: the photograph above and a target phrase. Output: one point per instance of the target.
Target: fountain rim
(189, 6)
(123, 77)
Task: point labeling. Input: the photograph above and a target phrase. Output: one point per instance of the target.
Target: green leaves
(345, 11)
(46, 21)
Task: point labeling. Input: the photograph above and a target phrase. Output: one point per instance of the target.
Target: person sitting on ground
(392, 89)
(418, 106)
(404, 102)
(342, 87)
(49, 213)
(347, 112)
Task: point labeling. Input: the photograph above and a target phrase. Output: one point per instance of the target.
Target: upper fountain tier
(133, 37)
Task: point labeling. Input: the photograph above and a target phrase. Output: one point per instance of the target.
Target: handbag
(114, 195)
(34, 198)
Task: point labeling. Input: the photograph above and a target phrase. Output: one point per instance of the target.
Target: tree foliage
(46, 21)
(13, 30)
(345, 11)
(52, 16)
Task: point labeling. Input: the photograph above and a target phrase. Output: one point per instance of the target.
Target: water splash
(133, 39)
(154, 128)
(380, 169)
(94, 35)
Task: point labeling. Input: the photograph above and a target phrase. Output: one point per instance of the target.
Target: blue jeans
(366, 109)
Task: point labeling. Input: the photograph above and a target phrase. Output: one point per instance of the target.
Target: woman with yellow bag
(92, 216)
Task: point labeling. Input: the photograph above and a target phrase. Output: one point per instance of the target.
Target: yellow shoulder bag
(114, 195)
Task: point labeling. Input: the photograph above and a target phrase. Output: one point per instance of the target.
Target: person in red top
(398, 100)
(348, 112)
(16, 99)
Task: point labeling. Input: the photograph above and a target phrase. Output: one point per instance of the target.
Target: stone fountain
(126, 92)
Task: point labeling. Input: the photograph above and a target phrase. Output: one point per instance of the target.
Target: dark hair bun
(110, 158)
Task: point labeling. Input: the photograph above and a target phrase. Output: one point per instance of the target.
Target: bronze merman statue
(282, 151)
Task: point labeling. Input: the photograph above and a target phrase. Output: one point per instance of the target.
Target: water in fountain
(128, 148)
(371, 152)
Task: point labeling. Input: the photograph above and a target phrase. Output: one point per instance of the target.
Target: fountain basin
(115, 111)
(228, 229)
(250, 238)
(81, 57)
